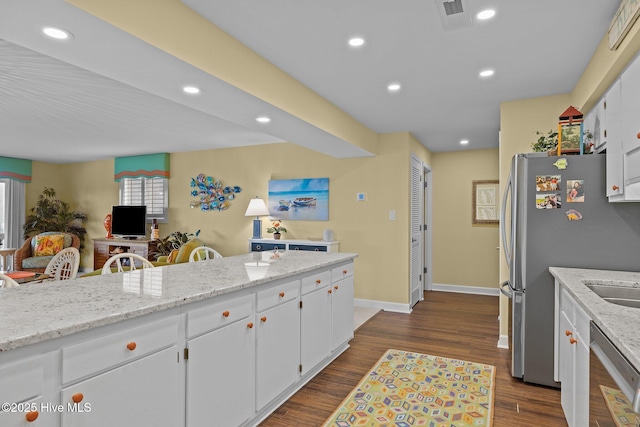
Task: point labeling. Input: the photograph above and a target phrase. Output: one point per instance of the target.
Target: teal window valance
(144, 166)
(17, 169)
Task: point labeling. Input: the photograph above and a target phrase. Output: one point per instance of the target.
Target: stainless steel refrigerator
(559, 217)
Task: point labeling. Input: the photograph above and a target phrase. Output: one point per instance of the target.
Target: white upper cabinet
(622, 130)
(611, 131)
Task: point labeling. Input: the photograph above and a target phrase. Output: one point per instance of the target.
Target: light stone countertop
(619, 323)
(38, 312)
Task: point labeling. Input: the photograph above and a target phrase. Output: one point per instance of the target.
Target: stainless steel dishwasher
(614, 385)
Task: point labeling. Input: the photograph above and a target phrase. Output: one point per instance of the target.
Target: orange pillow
(48, 245)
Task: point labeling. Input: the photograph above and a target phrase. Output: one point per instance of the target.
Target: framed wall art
(485, 202)
(305, 199)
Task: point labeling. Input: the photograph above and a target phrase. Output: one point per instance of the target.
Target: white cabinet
(140, 393)
(615, 173)
(622, 135)
(630, 131)
(341, 305)
(221, 363)
(22, 385)
(277, 341)
(630, 127)
(571, 357)
(137, 364)
(315, 320)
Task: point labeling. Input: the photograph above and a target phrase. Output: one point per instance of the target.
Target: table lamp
(256, 208)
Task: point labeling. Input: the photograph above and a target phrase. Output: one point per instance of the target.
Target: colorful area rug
(619, 407)
(411, 389)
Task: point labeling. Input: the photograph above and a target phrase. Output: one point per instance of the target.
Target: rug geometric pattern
(411, 389)
(620, 408)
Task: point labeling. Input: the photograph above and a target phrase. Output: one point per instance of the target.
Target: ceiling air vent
(453, 14)
(452, 7)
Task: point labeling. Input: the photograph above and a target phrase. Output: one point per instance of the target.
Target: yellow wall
(361, 227)
(464, 253)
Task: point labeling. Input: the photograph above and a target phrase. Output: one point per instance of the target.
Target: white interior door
(416, 231)
(426, 230)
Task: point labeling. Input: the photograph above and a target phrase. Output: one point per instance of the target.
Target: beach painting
(305, 199)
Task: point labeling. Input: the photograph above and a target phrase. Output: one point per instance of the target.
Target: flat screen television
(129, 222)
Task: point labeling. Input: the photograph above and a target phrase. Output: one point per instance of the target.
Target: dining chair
(202, 253)
(7, 282)
(64, 265)
(125, 261)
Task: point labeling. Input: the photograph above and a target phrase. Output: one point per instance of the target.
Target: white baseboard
(382, 305)
(460, 289)
(503, 341)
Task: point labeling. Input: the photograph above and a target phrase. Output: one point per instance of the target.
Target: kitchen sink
(628, 296)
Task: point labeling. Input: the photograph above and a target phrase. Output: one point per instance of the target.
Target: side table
(5, 253)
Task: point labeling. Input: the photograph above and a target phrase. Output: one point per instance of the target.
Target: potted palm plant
(52, 214)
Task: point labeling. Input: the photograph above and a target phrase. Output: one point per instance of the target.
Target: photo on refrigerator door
(575, 191)
(548, 183)
(548, 201)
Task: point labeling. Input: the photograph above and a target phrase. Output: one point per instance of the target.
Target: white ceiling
(105, 93)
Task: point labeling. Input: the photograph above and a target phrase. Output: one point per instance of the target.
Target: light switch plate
(392, 215)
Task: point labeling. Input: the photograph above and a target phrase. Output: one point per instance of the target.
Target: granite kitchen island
(218, 342)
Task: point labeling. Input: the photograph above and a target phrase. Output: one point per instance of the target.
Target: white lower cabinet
(277, 342)
(572, 358)
(315, 321)
(140, 393)
(341, 305)
(23, 388)
(221, 364)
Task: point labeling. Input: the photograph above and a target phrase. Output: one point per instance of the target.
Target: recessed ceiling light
(356, 41)
(57, 33)
(191, 90)
(393, 87)
(464, 141)
(486, 14)
(263, 119)
(487, 73)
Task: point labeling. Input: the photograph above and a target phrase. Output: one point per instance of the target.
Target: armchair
(26, 259)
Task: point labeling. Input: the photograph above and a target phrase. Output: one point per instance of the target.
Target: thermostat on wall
(361, 197)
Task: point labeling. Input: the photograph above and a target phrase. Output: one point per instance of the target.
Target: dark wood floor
(444, 324)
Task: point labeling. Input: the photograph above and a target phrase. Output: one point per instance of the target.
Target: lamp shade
(257, 207)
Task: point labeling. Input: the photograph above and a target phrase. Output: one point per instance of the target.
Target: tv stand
(103, 249)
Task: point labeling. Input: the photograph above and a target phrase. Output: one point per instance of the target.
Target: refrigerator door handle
(506, 290)
(503, 223)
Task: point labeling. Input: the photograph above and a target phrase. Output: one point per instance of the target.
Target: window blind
(151, 192)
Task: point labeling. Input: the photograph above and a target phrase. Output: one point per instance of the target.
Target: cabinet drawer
(22, 380)
(257, 247)
(342, 272)
(277, 295)
(316, 248)
(219, 314)
(100, 354)
(315, 281)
